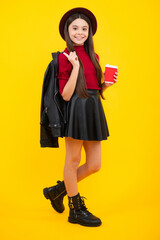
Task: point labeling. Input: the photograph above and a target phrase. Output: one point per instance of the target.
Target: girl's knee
(73, 161)
(94, 167)
(73, 152)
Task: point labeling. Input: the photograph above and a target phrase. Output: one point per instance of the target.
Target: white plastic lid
(111, 66)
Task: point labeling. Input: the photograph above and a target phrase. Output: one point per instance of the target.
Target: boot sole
(45, 193)
(72, 220)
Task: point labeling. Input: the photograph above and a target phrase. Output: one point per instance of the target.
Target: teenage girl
(80, 86)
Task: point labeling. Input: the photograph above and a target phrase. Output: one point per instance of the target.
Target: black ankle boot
(78, 212)
(56, 194)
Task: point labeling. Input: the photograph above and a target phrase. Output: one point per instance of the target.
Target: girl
(80, 86)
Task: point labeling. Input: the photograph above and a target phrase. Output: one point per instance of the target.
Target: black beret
(85, 11)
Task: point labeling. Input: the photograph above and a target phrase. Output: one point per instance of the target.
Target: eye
(74, 28)
(84, 29)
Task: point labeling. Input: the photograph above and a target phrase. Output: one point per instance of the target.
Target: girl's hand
(72, 58)
(110, 84)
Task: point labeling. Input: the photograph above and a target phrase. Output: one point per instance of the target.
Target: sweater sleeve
(65, 68)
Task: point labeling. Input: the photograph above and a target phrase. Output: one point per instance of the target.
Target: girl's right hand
(72, 58)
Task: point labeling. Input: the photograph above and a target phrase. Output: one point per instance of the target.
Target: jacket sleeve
(46, 78)
(65, 68)
(46, 139)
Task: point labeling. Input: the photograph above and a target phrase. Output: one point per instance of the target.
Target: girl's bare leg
(73, 173)
(93, 159)
(72, 160)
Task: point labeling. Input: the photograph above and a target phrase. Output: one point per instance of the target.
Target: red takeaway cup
(109, 73)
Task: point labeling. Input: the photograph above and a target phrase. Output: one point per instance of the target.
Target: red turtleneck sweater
(65, 68)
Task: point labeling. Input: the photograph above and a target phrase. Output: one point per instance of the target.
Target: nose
(79, 32)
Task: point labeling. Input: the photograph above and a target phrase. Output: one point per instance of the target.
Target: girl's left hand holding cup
(107, 84)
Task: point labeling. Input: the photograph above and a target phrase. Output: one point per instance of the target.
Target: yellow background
(125, 192)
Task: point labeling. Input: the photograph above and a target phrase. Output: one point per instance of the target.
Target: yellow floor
(119, 222)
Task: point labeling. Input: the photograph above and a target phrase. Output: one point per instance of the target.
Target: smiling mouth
(79, 38)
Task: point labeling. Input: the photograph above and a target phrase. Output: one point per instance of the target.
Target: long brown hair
(89, 47)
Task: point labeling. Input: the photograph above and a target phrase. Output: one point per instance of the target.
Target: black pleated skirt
(85, 118)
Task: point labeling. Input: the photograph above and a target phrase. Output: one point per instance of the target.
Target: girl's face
(78, 31)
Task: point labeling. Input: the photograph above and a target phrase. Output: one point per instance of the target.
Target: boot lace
(83, 206)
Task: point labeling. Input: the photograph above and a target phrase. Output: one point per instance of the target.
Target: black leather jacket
(53, 107)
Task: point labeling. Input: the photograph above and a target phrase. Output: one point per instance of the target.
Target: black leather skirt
(85, 118)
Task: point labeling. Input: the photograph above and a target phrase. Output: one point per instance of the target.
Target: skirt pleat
(85, 118)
